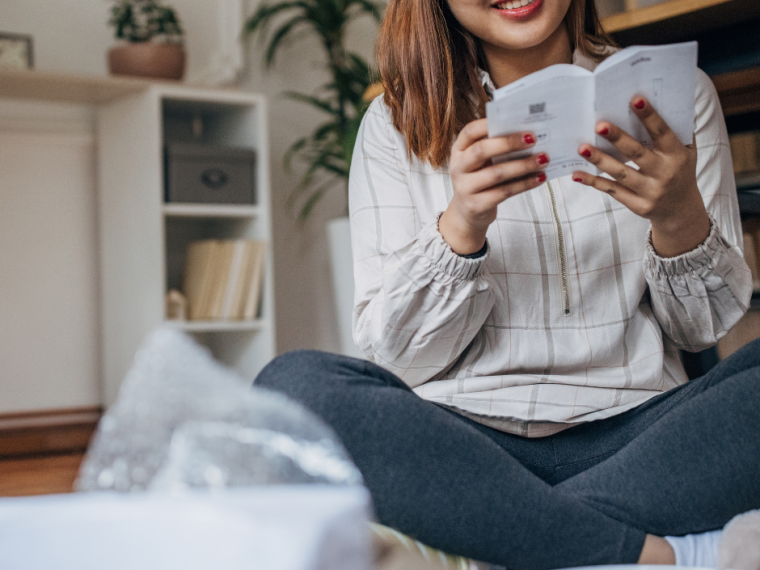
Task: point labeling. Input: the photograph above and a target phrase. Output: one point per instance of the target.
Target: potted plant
(327, 151)
(153, 36)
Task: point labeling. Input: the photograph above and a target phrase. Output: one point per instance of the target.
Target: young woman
(524, 403)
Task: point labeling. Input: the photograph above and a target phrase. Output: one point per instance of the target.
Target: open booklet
(563, 103)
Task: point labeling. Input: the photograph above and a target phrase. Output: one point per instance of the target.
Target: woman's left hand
(664, 189)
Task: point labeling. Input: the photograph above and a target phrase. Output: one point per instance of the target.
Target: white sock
(696, 549)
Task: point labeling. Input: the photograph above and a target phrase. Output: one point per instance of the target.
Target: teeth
(512, 4)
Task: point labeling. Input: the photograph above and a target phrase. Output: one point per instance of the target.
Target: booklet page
(557, 108)
(665, 75)
(562, 103)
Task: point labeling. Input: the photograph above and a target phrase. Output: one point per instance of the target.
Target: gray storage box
(210, 174)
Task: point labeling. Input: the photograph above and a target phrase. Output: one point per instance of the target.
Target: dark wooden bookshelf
(678, 20)
(739, 91)
(727, 31)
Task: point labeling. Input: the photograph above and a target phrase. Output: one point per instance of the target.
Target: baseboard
(46, 432)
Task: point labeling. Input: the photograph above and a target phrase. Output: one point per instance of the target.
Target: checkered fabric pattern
(489, 337)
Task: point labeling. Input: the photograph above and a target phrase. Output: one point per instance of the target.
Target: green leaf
(329, 148)
(326, 106)
(260, 21)
(312, 201)
(279, 36)
(265, 13)
(294, 148)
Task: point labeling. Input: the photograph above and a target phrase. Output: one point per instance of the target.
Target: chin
(521, 38)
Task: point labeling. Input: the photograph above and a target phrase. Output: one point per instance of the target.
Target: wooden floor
(39, 475)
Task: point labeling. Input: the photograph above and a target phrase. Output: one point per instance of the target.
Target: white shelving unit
(141, 240)
(219, 326)
(144, 240)
(210, 211)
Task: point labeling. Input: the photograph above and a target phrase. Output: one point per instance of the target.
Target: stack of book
(223, 279)
(745, 151)
(751, 227)
(748, 327)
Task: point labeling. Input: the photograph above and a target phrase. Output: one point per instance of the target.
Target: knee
(293, 371)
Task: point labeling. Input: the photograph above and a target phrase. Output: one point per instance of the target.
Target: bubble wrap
(184, 421)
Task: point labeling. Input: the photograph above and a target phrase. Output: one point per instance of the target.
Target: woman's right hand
(480, 186)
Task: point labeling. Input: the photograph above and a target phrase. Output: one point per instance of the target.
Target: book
(746, 330)
(744, 152)
(197, 279)
(209, 283)
(234, 281)
(223, 279)
(563, 103)
(220, 278)
(751, 227)
(256, 277)
(241, 286)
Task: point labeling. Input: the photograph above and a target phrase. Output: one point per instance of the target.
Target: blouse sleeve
(697, 297)
(417, 304)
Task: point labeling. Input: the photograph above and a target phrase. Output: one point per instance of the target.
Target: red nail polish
(586, 152)
(542, 159)
(529, 139)
(541, 177)
(604, 131)
(640, 104)
(578, 179)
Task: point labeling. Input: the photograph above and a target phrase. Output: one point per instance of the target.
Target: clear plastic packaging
(183, 421)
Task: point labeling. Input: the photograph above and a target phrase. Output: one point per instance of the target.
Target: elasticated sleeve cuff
(433, 247)
(702, 257)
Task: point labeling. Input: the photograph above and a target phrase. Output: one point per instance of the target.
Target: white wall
(69, 35)
(49, 321)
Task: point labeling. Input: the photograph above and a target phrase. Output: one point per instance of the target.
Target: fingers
(480, 152)
(472, 131)
(622, 173)
(502, 172)
(632, 149)
(662, 135)
(629, 199)
(497, 194)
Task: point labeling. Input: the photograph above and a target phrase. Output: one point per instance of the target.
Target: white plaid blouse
(504, 339)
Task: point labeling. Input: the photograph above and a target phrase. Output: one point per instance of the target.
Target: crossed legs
(683, 462)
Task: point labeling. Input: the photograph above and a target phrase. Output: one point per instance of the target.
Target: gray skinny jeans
(685, 461)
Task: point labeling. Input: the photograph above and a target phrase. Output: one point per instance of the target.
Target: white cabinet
(141, 240)
(144, 241)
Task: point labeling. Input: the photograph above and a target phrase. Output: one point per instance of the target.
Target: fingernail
(604, 131)
(640, 104)
(578, 179)
(542, 159)
(586, 152)
(529, 139)
(541, 177)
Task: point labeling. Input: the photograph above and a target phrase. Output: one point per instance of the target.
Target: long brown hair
(429, 68)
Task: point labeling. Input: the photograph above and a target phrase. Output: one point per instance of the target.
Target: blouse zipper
(561, 244)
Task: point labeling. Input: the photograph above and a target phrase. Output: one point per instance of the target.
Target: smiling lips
(518, 9)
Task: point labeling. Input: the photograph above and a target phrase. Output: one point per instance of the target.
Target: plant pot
(342, 265)
(147, 59)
